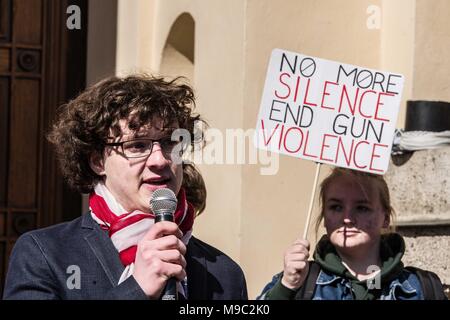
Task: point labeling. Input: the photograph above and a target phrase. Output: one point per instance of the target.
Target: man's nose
(157, 158)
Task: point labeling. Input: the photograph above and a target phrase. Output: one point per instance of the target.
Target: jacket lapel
(103, 249)
(197, 272)
(108, 257)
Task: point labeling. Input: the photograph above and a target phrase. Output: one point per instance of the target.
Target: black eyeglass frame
(121, 143)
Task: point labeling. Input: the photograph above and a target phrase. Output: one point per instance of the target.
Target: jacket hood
(392, 248)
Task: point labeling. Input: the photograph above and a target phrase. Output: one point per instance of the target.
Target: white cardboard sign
(329, 112)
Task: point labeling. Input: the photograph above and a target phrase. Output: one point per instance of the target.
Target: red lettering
(281, 137)
(325, 145)
(360, 103)
(356, 152)
(325, 93)
(376, 156)
(296, 89)
(286, 135)
(306, 96)
(306, 146)
(344, 91)
(379, 103)
(287, 86)
(348, 159)
(264, 132)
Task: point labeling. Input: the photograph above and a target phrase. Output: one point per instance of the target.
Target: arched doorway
(178, 54)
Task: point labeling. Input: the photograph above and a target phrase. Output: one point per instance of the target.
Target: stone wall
(420, 192)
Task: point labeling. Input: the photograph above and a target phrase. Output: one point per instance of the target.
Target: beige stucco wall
(274, 212)
(218, 81)
(432, 47)
(397, 45)
(252, 217)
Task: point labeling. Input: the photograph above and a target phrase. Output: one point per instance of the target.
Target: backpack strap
(306, 292)
(431, 284)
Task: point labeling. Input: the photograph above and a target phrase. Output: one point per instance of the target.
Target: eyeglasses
(142, 147)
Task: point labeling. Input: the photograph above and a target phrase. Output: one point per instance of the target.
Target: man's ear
(97, 164)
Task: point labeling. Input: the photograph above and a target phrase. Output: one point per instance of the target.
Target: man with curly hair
(115, 141)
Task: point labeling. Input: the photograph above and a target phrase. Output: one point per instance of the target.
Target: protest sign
(329, 112)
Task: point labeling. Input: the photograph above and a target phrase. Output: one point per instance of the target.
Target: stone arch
(178, 55)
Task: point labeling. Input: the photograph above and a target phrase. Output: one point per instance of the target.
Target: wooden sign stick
(311, 203)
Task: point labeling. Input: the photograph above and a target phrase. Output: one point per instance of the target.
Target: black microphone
(163, 205)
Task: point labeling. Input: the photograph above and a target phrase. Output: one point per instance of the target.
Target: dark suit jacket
(44, 262)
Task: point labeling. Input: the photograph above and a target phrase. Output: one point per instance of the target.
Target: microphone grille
(163, 201)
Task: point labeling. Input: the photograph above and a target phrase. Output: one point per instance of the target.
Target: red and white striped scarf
(126, 228)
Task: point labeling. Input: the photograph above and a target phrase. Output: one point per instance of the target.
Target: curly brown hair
(84, 124)
(195, 187)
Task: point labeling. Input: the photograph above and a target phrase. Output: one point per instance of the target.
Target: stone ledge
(422, 221)
(420, 188)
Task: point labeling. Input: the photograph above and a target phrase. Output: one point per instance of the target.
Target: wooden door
(42, 64)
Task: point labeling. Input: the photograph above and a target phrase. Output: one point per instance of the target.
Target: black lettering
(305, 67)
(284, 58)
(302, 117)
(378, 137)
(365, 77)
(389, 83)
(347, 74)
(363, 127)
(378, 82)
(289, 110)
(273, 109)
(340, 126)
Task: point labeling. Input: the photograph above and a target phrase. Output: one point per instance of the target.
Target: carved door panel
(35, 67)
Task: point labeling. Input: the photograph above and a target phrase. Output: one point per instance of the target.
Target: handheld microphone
(163, 205)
